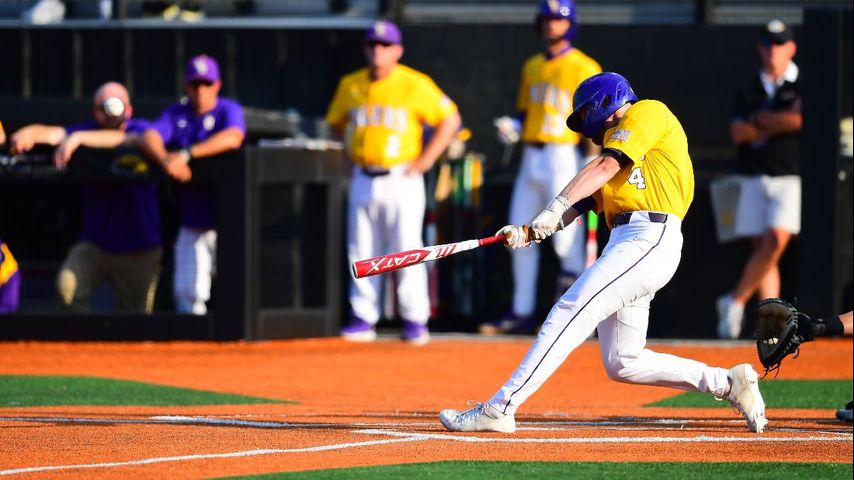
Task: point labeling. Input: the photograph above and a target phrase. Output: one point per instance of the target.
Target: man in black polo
(766, 128)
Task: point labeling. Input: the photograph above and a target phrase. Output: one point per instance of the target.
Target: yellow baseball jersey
(387, 115)
(661, 176)
(545, 95)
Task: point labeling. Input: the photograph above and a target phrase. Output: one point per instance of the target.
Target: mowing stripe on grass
(32, 391)
(777, 394)
(470, 470)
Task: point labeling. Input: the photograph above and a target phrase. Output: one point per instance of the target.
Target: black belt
(625, 217)
(537, 145)
(375, 173)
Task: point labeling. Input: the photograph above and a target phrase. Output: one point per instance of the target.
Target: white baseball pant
(195, 266)
(613, 296)
(386, 214)
(543, 173)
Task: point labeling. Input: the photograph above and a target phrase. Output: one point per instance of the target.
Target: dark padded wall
(695, 70)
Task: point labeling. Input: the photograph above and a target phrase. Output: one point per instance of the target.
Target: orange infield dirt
(377, 404)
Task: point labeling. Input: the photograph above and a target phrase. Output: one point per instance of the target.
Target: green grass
(574, 470)
(777, 394)
(32, 391)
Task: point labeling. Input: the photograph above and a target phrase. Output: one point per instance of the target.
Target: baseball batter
(550, 157)
(386, 104)
(643, 182)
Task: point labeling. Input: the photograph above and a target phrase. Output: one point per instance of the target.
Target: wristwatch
(186, 155)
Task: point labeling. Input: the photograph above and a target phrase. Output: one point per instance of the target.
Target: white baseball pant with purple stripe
(614, 295)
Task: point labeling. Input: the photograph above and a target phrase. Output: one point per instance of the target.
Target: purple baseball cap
(202, 67)
(384, 31)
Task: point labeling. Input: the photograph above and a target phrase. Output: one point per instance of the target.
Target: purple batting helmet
(558, 9)
(600, 95)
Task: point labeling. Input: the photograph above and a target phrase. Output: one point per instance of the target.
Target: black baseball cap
(776, 32)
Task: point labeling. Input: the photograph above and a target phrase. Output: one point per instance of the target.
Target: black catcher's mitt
(777, 332)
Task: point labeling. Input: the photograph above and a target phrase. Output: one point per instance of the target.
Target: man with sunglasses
(387, 104)
(120, 241)
(199, 126)
(766, 128)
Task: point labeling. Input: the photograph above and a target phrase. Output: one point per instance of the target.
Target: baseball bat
(592, 249)
(395, 261)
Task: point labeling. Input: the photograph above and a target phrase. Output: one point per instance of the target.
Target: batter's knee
(620, 369)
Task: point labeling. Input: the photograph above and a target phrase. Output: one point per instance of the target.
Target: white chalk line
(698, 439)
(399, 437)
(246, 453)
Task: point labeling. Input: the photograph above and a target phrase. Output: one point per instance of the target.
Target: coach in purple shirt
(120, 242)
(201, 125)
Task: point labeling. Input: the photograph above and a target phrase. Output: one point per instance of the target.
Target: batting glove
(515, 236)
(550, 220)
(508, 129)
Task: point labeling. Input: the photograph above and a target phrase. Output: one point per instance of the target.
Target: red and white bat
(394, 261)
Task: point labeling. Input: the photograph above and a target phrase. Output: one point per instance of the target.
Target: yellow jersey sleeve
(661, 175)
(637, 133)
(431, 104)
(342, 101)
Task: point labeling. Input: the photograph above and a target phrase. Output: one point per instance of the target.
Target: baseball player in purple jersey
(199, 126)
(10, 280)
(120, 241)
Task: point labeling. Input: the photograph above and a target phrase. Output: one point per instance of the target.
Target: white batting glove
(550, 220)
(515, 236)
(508, 129)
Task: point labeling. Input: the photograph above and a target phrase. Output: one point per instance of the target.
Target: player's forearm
(152, 145)
(439, 142)
(101, 138)
(46, 134)
(224, 141)
(778, 123)
(742, 132)
(591, 178)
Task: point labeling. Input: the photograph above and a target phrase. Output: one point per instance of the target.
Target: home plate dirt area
(377, 404)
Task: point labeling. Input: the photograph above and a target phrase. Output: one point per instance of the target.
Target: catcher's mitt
(777, 332)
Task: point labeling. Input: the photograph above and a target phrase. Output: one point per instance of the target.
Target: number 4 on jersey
(636, 178)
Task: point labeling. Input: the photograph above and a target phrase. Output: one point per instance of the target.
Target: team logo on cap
(380, 28)
(556, 7)
(776, 26)
(201, 65)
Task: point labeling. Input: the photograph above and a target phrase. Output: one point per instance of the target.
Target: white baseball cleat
(730, 317)
(744, 395)
(481, 418)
